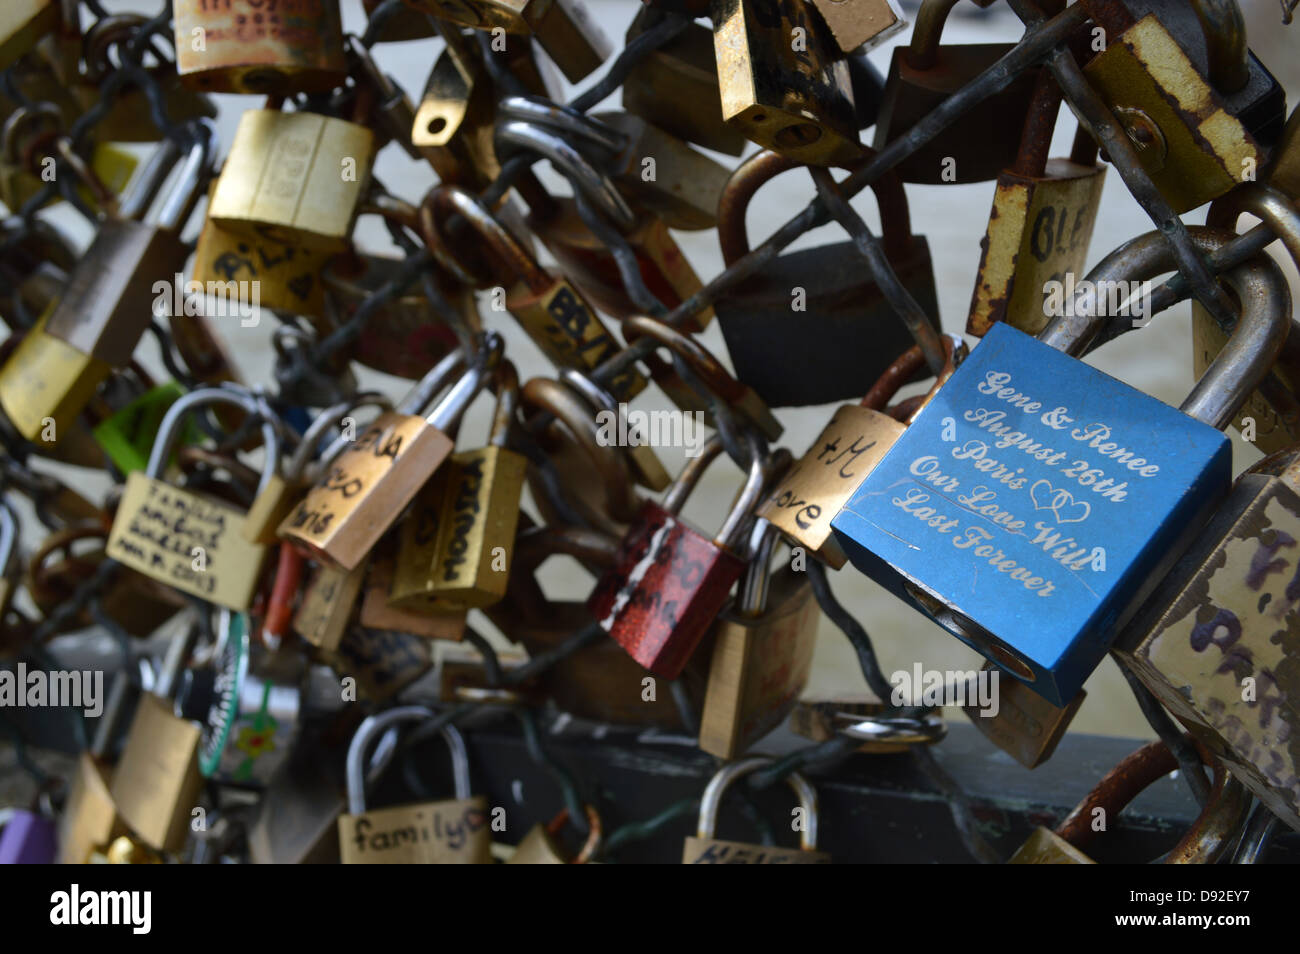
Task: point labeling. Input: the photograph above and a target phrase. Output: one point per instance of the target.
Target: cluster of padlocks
(293, 549)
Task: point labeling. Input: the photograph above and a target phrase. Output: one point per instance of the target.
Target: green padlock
(128, 435)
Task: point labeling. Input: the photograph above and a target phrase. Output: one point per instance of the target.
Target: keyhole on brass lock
(798, 134)
(437, 125)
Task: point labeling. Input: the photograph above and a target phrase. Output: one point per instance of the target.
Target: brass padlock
(366, 487)
(878, 727)
(452, 128)
(982, 141)
(564, 28)
(855, 22)
(704, 849)
(1026, 726)
(788, 93)
(552, 311)
(762, 655)
(303, 173)
(326, 608)
(113, 291)
(89, 817)
(1044, 212)
(383, 662)
(1200, 126)
(429, 618)
(853, 442)
(243, 46)
(157, 781)
(675, 87)
(46, 384)
(456, 545)
(192, 543)
(446, 832)
(541, 845)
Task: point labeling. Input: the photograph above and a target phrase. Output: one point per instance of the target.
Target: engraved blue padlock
(1035, 501)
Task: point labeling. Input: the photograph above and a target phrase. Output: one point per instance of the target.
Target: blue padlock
(1035, 501)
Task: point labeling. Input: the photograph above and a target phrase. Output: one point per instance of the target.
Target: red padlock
(669, 580)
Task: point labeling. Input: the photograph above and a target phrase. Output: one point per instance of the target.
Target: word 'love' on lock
(1034, 485)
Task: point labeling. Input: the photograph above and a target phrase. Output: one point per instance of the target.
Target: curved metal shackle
(1249, 353)
(728, 774)
(762, 167)
(1225, 43)
(169, 430)
(435, 381)
(700, 359)
(751, 600)
(185, 193)
(591, 392)
(453, 404)
(609, 460)
(689, 477)
(923, 51)
(563, 120)
(743, 508)
(505, 382)
(597, 187)
(507, 251)
(1216, 829)
(329, 418)
(19, 118)
(1265, 202)
(376, 725)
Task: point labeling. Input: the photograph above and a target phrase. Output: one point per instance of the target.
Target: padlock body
(1024, 725)
(666, 587)
(981, 142)
(841, 341)
(715, 851)
(790, 96)
(459, 553)
(1217, 641)
(157, 781)
(90, 817)
(807, 498)
(364, 489)
(301, 172)
(194, 544)
(384, 662)
(569, 332)
(1038, 232)
(1046, 847)
(326, 607)
(47, 380)
(287, 276)
(759, 667)
(1201, 149)
(251, 48)
(430, 833)
(1032, 504)
(429, 618)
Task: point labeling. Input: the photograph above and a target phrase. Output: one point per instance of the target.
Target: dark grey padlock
(813, 327)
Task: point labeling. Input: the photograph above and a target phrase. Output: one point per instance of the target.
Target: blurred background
(1157, 359)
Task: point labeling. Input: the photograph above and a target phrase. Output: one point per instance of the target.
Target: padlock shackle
(13, 127)
(906, 365)
(923, 51)
(1265, 202)
(594, 185)
(505, 382)
(684, 483)
(511, 256)
(1040, 123)
(564, 121)
(702, 361)
(756, 171)
(59, 540)
(1249, 353)
(610, 463)
(711, 801)
(1126, 781)
(184, 195)
(1224, 27)
(328, 419)
(169, 430)
(453, 404)
(591, 392)
(751, 599)
(378, 724)
(1216, 829)
(141, 192)
(435, 381)
(743, 509)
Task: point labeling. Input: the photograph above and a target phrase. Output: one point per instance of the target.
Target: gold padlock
(425, 617)
(444, 832)
(244, 46)
(704, 849)
(456, 545)
(302, 173)
(327, 604)
(46, 384)
(188, 541)
(366, 487)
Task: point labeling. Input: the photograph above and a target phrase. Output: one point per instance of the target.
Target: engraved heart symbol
(1061, 502)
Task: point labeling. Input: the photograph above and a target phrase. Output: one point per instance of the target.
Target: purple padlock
(27, 839)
